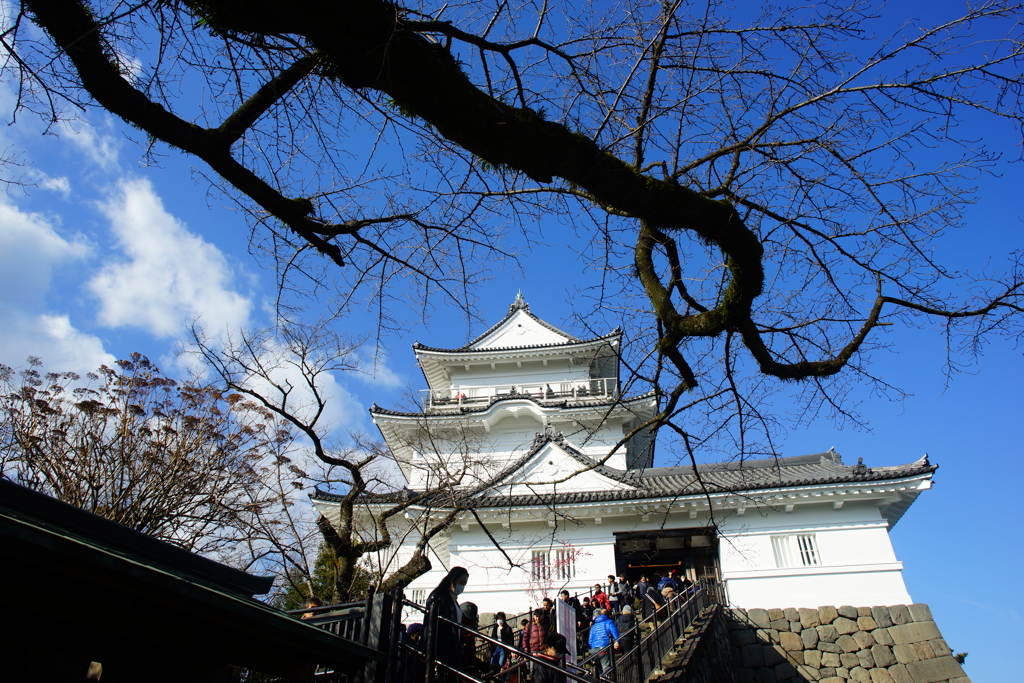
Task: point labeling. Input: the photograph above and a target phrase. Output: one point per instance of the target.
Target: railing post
(394, 635)
(430, 646)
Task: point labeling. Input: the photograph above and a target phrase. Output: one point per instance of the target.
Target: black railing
(376, 623)
(639, 651)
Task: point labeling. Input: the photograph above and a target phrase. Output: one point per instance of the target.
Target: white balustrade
(572, 390)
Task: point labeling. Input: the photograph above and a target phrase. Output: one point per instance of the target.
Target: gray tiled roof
(820, 468)
(661, 482)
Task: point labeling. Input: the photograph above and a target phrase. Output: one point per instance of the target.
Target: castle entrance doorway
(693, 553)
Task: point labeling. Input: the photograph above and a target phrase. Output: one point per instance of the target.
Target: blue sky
(101, 256)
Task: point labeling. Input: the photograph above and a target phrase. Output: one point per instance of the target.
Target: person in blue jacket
(603, 635)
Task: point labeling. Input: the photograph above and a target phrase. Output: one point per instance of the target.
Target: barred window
(418, 595)
(797, 550)
(541, 566)
(565, 563)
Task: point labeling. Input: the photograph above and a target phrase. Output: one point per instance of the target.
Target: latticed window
(797, 550)
(565, 563)
(541, 566)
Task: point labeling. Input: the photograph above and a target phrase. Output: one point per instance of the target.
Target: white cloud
(282, 367)
(54, 339)
(377, 373)
(61, 184)
(342, 411)
(101, 147)
(30, 249)
(171, 276)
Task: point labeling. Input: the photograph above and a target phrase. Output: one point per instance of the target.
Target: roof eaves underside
(377, 411)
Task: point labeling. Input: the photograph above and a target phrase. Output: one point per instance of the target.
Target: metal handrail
(635, 664)
(326, 608)
(523, 655)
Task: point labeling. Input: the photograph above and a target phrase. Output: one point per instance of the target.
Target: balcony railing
(578, 390)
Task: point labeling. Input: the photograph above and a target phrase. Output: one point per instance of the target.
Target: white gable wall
(552, 464)
(520, 330)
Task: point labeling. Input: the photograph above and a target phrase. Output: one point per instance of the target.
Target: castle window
(565, 563)
(541, 566)
(797, 550)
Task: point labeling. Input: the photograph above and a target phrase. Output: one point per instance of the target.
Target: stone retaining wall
(897, 644)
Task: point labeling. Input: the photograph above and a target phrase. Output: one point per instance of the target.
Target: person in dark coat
(503, 632)
(549, 613)
(553, 654)
(588, 612)
(446, 598)
(652, 600)
(576, 607)
(523, 625)
(625, 622)
(411, 662)
(640, 589)
(471, 620)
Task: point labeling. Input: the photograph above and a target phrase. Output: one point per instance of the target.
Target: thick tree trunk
(417, 566)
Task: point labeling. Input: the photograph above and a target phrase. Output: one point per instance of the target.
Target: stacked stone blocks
(895, 644)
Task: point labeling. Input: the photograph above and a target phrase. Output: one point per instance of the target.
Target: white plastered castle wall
(531, 376)
(857, 562)
(857, 565)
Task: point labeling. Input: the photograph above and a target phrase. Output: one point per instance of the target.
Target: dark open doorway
(691, 552)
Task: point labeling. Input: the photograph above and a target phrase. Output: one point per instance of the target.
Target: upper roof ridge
(519, 303)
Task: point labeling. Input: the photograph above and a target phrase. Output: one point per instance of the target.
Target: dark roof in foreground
(132, 601)
(666, 482)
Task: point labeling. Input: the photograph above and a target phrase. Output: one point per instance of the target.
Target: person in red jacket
(601, 598)
(533, 636)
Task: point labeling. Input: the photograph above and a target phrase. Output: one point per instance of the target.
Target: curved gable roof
(518, 308)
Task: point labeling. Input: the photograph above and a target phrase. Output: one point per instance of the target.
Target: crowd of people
(606, 628)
